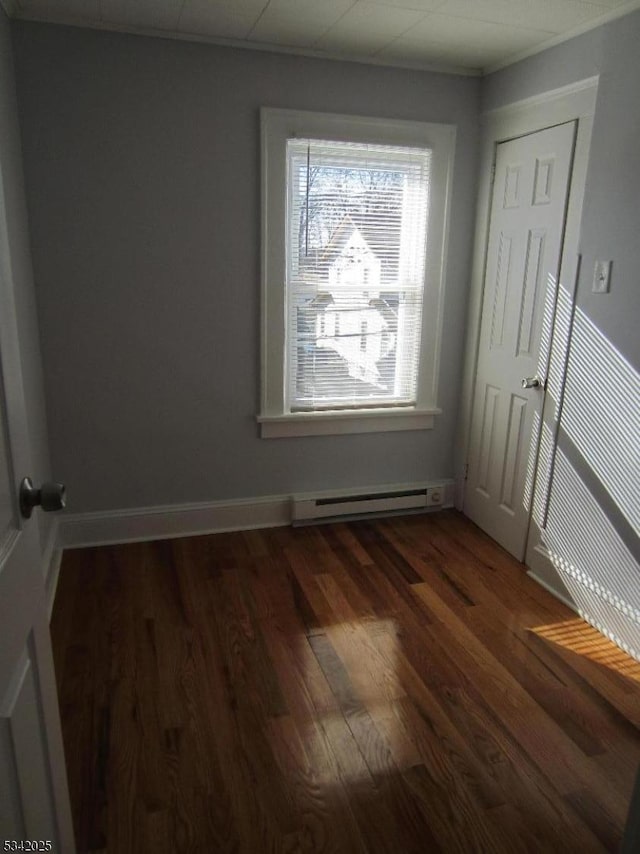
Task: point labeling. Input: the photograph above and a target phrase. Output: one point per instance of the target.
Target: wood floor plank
(498, 770)
(397, 685)
(587, 723)
(540, 734)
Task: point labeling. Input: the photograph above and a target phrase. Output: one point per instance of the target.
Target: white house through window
(356, 237)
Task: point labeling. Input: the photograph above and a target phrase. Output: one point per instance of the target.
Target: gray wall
(611, 220)
(142, 172)
(595, 511)
(20, 263)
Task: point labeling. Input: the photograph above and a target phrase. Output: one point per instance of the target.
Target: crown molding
(70, 21)
(13, 10)
(605, 18)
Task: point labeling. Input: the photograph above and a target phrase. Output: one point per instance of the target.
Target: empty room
(320, 402)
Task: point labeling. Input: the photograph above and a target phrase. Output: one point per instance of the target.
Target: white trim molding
(523, 111)
(278, 126)
(552, 588)
(544, 573)
(178, 520)
(44, 14)
(52, 579)
(51, 560)
(334, 423)
(553, 41)
(82, 530)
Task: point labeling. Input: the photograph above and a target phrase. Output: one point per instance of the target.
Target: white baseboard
(81, 530)
(52, 579)
(551, 588)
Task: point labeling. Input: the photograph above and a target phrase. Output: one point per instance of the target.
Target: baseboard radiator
(323, 508)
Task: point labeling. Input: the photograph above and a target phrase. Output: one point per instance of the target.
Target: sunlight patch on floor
(579, 637)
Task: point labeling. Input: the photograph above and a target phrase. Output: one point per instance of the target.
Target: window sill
(341, 423)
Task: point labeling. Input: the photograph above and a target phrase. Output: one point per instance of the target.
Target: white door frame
(569, 103)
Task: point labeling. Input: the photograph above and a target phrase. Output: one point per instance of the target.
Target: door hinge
(465, 471)
(493, 172)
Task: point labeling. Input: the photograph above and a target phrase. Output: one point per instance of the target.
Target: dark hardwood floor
(395, 686)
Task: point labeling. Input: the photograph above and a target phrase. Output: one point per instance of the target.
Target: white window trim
(276, 127)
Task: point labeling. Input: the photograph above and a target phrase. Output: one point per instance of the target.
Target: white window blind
(355, 273)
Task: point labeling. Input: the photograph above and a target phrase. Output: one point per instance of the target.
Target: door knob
(532, 382)
(50, 496)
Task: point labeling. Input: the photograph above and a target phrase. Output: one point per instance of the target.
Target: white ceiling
(466, 36)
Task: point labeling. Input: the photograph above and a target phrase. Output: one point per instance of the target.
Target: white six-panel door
(528, 210)
(34, 800)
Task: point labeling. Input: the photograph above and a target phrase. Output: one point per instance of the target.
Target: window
(354, 217)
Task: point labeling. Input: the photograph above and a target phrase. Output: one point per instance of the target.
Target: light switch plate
(601, 277)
